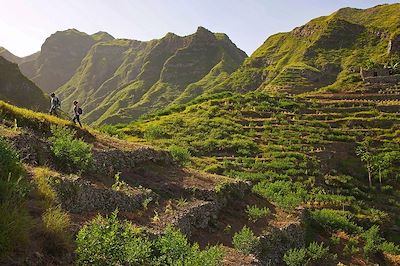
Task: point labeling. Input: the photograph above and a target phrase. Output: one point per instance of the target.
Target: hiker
(77, 113)
(55, 103)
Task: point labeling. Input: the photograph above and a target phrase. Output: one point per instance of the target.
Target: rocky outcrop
(394, 45)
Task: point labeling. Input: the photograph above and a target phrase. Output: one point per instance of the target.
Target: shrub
(314, 254)
(245, 241)
(373, 240)
(154, 132)
(390, 248)
(256, 213)
(295, 257)
(112, 131)
(334, 220)
(285, 194)
(71, 153)
(179, 154)
(57, 226)
(319, 255)
(174, 249)
(106, 241)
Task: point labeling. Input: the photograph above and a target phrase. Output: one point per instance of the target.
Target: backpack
(58, 102)
(80, 111)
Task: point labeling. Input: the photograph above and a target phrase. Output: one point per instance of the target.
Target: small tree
(364, 150)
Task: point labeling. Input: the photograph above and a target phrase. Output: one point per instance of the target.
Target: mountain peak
(102, 36)
(201, 29)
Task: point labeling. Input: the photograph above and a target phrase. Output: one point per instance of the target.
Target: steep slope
(296, 151)
(60, 56)
(120, 80)
(15, 88)
(327, 51)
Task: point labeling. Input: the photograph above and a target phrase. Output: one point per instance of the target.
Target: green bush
(285, 194)
(314, 254)
(295, 257)
(112, 131)
(335, 220)
(319, 255)
(71, 153)
(372, 240)
(245, 241)
(179, 154)
(256, 213)
(106, 241)
(174, 250)
(154, 132)
(390, 248)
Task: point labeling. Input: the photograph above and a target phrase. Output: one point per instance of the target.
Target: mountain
(60, 56)
(117, 80)
(15, 88)
(325, 53)
(121, 79)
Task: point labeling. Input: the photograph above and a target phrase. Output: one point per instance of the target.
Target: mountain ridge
(326, 52)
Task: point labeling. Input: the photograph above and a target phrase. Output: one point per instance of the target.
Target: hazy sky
(25, 24)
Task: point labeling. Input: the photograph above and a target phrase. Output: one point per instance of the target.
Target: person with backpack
(55, 103)
(77, 113)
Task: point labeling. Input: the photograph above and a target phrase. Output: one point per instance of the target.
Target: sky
(25, 24)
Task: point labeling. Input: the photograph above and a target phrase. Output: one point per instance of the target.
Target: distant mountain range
(118, 80)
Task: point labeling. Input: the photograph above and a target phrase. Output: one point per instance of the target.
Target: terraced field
(296, 152)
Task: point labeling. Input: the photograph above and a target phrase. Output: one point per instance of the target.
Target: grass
(42, 178)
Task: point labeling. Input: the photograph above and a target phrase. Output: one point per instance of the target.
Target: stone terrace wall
(275, 243)
(109, 162)
(77, 195)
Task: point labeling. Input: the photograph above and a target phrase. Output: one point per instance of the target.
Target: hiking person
(54, 104)
(77, 113)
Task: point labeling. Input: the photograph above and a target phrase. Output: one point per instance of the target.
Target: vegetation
(245, 241)
(314, 254)
(106, 240)
(72, 153)
(15, 222)
(326, 53)
(256, 213)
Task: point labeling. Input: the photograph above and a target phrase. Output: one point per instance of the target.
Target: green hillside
(308, 152)
(120, 80)
(324, 54)
(16, 89)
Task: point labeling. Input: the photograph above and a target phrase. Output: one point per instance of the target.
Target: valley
(193, 153)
